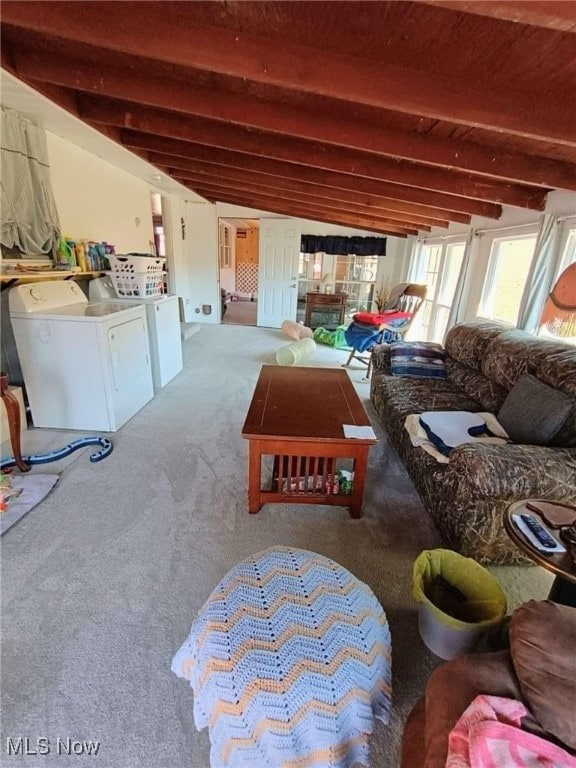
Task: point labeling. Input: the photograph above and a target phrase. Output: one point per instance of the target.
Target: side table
(561, 564)
(325, 309)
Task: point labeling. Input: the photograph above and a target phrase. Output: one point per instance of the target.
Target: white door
(278, 257)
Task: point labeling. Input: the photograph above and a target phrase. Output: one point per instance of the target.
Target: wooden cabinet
(326, 310)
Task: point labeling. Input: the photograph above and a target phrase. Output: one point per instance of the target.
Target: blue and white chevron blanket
(289, 661)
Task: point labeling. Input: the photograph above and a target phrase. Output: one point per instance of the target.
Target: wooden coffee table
(564, 587)
(297, 415)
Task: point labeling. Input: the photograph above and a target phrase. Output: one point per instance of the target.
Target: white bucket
(447, 642)
(296, 353)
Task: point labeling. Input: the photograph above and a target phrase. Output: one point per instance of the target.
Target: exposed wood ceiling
(387, 116)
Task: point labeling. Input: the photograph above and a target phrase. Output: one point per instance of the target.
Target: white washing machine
(86, 365)
(163, 315)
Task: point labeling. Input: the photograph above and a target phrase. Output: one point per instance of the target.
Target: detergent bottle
(66, 254)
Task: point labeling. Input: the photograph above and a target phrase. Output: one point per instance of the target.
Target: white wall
(202, 260)
(175, 234)
(97, 201)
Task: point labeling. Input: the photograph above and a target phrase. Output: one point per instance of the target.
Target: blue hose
(46, 458)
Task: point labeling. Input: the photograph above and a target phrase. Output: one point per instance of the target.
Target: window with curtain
(340, 265)
(343, 246)
(438, 267)
(508, 267)
(558, 317)
(567, 247)
(29, 222)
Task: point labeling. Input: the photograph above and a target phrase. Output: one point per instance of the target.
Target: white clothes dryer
(163, 316)
(86, 365)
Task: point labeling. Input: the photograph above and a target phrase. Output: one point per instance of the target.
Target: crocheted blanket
(289, 661)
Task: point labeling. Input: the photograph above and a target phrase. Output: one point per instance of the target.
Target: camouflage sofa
(468, 496)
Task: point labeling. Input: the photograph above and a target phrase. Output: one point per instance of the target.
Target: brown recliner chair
(538, 668)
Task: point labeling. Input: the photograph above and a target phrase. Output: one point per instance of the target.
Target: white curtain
(544, 267)
(414, 273)
(457, 309)
(29, 218)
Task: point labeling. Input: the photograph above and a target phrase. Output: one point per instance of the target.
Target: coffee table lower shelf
(309, 467)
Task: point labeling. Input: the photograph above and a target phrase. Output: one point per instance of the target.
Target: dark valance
(342, 246)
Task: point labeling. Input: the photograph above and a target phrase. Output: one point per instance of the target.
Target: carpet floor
(241, 313)
(102, 579)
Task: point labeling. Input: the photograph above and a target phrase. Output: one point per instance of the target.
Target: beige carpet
(101, 581)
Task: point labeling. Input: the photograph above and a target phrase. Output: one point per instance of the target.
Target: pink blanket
(488, 735)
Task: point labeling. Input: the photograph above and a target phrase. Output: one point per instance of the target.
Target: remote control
(539, 531)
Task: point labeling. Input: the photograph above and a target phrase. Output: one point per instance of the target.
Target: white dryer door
(130, 368)
(130, 354)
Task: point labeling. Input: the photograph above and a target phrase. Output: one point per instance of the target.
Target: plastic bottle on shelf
(66, 254)
(81, 257)
(87, 258)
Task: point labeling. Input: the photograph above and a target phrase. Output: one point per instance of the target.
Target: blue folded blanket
(363, 337)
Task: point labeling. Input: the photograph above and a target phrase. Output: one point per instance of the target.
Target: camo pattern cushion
(381, 358)
(515, 353)
(467, 343)
(406, 396)
(489, 394)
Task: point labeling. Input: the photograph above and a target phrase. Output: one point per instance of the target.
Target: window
(439, 267)
(568, 249)
(351, 274)
(310, 270)
(508, 267)
(225, 246)
(355, 276)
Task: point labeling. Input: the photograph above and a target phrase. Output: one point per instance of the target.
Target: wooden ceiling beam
(265, 185)
(551, 14)
(279, 207)
(299, 198)
(120, 82)
(179, 167)
(190, 150)
(267, 60)
(217, 134)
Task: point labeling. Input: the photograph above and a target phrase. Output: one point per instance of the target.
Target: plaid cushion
(417, 360)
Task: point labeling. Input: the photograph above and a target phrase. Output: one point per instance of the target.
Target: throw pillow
(421, 360)
(533, 412)
(542, 642)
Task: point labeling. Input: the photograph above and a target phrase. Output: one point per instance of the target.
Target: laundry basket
(137, 276)
(459, 600)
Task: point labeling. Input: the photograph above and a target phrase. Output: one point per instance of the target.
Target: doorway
(238, 242)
